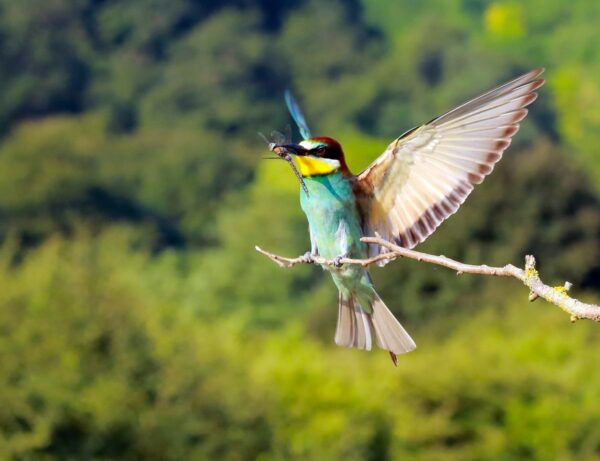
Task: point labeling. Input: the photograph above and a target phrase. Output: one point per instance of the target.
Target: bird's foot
(337, 261)
(308, 258)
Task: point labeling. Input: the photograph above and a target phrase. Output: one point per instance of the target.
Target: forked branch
(529, 276)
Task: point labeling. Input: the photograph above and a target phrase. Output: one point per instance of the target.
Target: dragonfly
(278, 139)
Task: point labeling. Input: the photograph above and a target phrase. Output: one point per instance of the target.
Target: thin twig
(529, 276)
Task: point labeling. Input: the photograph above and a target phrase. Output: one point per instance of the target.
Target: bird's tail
(360, 328)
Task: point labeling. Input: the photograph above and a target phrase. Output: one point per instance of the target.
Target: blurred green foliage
(136, 320)
(104, 359)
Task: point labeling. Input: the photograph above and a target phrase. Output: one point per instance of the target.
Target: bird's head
(318, 156)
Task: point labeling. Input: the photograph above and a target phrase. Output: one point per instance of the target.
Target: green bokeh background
(136, 320)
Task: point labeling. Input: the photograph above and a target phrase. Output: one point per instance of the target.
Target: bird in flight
(403, 196)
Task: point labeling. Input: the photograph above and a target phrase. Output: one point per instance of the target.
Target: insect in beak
(280, 145)
(285, 152)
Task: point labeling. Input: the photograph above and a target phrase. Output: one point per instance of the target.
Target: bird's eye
(321, 150)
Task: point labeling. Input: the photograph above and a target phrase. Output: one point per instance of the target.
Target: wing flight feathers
(426, 174)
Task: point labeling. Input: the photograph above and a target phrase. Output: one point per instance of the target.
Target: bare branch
(529, 276)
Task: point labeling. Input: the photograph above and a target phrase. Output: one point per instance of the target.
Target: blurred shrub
(45, 57)
(63, 172)
(96, 365)
(504, 20)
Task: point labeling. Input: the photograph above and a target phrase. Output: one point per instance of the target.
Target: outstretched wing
(297, 115)
(427, 173)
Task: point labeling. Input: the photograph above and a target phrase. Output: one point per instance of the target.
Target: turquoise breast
(332, 215)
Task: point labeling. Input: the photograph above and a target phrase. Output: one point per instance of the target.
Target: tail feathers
(391, 336)
(360, 329)
(355, 326)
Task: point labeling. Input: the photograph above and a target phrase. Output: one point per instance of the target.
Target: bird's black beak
(294, 149)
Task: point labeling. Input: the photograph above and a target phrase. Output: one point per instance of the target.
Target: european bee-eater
(403, 196)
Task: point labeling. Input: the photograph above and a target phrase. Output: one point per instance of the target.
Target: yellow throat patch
(310, 166)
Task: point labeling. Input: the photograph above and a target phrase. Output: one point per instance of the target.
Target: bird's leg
(309, 255)
(343, 242)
